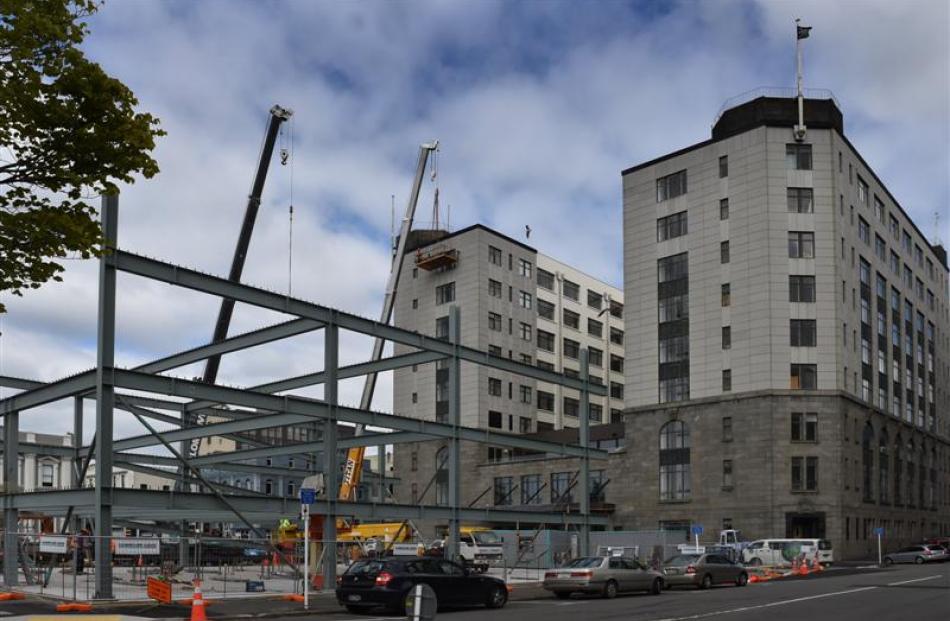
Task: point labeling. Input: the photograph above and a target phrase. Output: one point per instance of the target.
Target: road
(900, 593)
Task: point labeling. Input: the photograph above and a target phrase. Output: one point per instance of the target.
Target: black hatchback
(386, 582)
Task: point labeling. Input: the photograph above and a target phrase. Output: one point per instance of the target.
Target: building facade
(787, 338)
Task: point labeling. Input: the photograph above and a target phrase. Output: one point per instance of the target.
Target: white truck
(478, 548)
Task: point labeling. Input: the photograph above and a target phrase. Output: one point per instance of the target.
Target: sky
(538, 107)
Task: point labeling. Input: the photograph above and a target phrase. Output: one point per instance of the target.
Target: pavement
(850, 593)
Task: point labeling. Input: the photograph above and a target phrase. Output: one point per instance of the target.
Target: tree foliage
(68, 131)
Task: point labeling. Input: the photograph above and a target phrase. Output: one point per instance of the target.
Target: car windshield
(487, 538)
(683, 559)
(365, 568)
(588, 562)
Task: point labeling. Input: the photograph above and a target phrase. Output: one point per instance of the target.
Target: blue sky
(538, 105)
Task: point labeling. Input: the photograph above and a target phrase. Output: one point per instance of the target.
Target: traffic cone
(818, 566)
(198, 604)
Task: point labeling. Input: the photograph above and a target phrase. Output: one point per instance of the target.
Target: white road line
(915, 580)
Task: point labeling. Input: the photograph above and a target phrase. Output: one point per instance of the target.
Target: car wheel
(562, 594)
(497, 597)
(919, 560)
(742, 580)
(755, 562)
(657, 587)
(706, 583)
(888, 561)
(610, 590)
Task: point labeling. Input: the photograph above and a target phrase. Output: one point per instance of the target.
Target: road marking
(915, 580)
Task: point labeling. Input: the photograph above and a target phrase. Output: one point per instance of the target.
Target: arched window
(898, 470)
(674, 461)
(442, 476)
(883, 464)
(911, 471)
(867, 453)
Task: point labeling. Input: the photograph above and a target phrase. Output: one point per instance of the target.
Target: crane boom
(354, 457)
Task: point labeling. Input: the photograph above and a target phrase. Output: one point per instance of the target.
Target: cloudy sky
(538, 106)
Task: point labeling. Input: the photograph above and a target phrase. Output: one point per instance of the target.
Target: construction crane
(353, 469)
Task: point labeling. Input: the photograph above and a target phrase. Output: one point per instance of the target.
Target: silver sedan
(603, 575)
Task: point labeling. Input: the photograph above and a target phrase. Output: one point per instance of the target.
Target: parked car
(604, 575)
(386, 582)
(920, 553)
(703, 571)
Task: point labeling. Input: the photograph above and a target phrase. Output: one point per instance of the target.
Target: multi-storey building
(787, 338)
(42, 462)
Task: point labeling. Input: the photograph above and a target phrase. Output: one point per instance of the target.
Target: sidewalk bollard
(421, 603)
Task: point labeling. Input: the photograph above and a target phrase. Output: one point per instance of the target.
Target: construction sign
(159, 590)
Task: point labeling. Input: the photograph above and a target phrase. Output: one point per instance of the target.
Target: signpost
(307, 497)
(696, 530)
(879, 532)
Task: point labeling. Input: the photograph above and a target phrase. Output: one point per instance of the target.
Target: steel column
(331, 351)
(584, 437)
(105, 397)
(454, 465)
(11, 480)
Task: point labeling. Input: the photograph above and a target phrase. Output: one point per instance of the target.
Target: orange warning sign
(159, 590)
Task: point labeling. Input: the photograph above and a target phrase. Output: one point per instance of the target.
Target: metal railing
(774, 91)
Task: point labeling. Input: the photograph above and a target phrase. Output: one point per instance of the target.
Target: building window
(801, 288)
(616, 363)
(524, 268)
(724, 209)
(545, 279)
(727, 429)
(595, 357)
(494, 322)
(725, 297)
(862, 191)
(798, 156)
(494, 419)
(726, 474)
(524, 392)
(880, 248)
(571, 349)
(415, 302)
(531, 489)
(864, 231)
(804, 474)
(545, 401)
(801, 245)
(494, 350)
(561, 491)
(545, 309)
(571, 407)
(414, 460)
(804, 377)
(572, 290)
(525, 331)
(268, 487)
(445, 293)
(803, 333)
(46, 475)
(671, 186)
(494, 288)
(723, 166)
(727, 337)
(503, 488)
(545, 340)
(494, 386)
(572, 319)
(670, 227)
(494, 255)
(442, 328)
(724, 252)
(595, 412)
(883, 466)
(674, 461)
(524, 299)
(804, 426)
(595, 328)
(616, 390)
(726, 380)
(801, 200)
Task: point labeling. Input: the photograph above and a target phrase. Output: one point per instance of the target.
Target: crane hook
(284, 155)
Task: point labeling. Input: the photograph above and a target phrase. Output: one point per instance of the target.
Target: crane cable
(285, 155)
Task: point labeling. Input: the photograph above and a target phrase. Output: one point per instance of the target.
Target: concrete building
(42, 462)
(787, 339)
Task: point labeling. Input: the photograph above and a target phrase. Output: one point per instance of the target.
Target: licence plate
(354, 598)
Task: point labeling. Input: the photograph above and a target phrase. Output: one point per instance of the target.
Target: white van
(781, 552)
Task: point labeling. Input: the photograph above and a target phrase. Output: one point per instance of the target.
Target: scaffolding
(145, 392)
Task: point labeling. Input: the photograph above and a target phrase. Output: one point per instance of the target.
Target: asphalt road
(901, 593)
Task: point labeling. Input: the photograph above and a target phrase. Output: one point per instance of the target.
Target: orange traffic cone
(198, 604)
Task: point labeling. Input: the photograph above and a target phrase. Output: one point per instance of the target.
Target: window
(445, 293)
(268, 487)
(531, 489)
(415, 302)
(907, 242)
(727, 429)
(723, 166)
(494, 386)
(545, 279)
(895, 227)
(862, 191)
(801, 288)
(494, 322)
(804, 426)
(724, 209)
(494, 288)
(594, 300)
(674, 307)
(725, 297)
(724, 252)
(442, 328)
(864, 231)
(727, 474)
(879, 210)
(494, 350)
(880, 248)
(571, 349)
(595, 328)
(595, 357)
(525, 331)
(595, 412)
(561, 491)
(616, 390)
(503, 489)
(616, 363)
(524, 299)
(895, 263)
(803, 333)
(572, 290)
(545, 401)
(545, 340)
(524, 268)
(798, 156)
(494, 255)
(672, 268)
(801, 245)
(545, 309)
(616, 309)
(727, 337)
(571, 407)
(671, 226)
(671, 186)
(572, 319)
(801, 200)
(726, 380)
(804, 474)
(494, 419)
(674, 461)
(46, 475)
(804, 377)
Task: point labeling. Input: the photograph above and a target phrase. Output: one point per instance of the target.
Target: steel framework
(241, 410)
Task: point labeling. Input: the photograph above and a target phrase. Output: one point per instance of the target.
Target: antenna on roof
(936, 227)
(801, 32)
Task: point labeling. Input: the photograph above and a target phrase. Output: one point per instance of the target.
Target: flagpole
(800, 130)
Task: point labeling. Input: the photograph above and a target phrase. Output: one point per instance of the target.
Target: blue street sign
(696, 529)
(308, 496)
(879, 531)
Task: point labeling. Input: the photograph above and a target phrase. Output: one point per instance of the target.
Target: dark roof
(425, 237)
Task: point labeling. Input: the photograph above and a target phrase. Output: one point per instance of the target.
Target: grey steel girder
(47, 393)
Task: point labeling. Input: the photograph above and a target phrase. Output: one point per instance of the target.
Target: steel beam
(19, 383)
(331, 353)
(310, 410)
(192, 279)
(225, 465)
(47, 393)
(11, 479)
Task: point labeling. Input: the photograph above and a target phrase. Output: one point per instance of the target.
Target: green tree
(68, 131)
